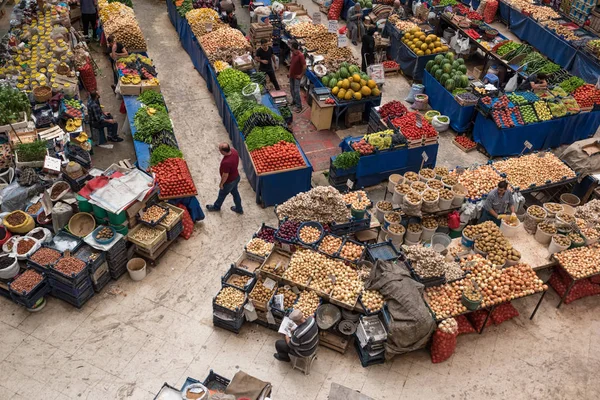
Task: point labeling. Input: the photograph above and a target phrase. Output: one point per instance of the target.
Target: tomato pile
(390, 64)
(174, 178)
(329, 101)
(393, 108)
(465, 142)
(408, 127)
(474, 16)
(363, 147)
(587, 95)
(280, 156)
(460, 9)
(473, 33)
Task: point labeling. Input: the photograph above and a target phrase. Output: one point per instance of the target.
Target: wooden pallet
(334, 342)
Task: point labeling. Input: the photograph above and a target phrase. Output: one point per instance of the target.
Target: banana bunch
(131, 79)
(73, 124)
(151, 82)
(221, 66)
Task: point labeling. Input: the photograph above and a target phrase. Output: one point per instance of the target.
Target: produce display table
(374, 168)
(411, 64)
(542, 135)
(142, 150)
(442, 100)
(271, 188)
(574, 280)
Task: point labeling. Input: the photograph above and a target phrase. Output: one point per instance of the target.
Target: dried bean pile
(16, 218)
(25, 245)
(69, 265)
(45, 256)
(26, 281)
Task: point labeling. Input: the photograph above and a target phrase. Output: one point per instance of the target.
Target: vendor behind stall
(367, 49)
(534, 82)
(355, 23)
(496, 204)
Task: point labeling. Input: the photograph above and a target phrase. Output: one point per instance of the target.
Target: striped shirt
(497, 203)
(305, 338)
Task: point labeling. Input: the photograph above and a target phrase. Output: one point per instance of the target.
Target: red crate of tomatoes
(407, 125)
(174, 179)
(586, 96)
(279, 157)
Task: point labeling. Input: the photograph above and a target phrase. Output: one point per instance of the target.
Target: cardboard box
(130, 90)
(146, 87)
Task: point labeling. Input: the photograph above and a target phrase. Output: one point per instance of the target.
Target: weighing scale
(321, 93)
(279, 98)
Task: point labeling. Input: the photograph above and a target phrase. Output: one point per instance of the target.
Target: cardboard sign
(425, 156)
(332, 26)
(269, 283)
(208, 27)
(528, 145)
(316, 17)
(419, 121)
(350, 184)
(342, 41)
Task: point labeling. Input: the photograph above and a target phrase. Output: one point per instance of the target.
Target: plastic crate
(30, 299)
(234, 314)
(263, 227)
(74, 291)
(385, 251)
(64, 235)
(175, 231)
(117, 273)
(351, 226)
(84, 254)
(38, 267)
(367, 312)
(234, 325)
(156, 242)
(238, 271)
(70, 280)
(172, 209)
(75, 301)
(281, 239)
(79, 183)
(101, 277)
(216, 382)
(366, 360)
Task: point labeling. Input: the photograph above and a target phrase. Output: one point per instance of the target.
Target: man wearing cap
(266, 58)
(303, 341)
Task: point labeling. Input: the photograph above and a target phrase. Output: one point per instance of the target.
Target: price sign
(350, 184)
(528, 145)
(208, 27)
(342, 41)
(316, 17)
(269, 283)
(332, 26)
(419, 121)
(425, 156)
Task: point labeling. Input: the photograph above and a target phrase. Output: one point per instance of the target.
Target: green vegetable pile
(448, 3)
(548, 68)
(162, 152)
(232, 81)
(12, 102)
(261, 137)
(255, 110)
(151, 98)
(346, 160)
(35, 151)
(128, 3)
(569, 85)
(147, 125)
(186, 6)
(507, 48)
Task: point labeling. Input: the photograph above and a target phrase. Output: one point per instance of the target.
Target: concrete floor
(134, 336)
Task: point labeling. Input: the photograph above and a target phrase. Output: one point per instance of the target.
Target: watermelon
(325, 81)
(344, 65)
(429, 65)
(447, 68)
(344, 73)
(450, 57)
(336, 76)
(449, 85)
(461, 61)
(438, 59)
(438, 74)
(455, 64)
(444, 78)
(434, 69)
(462, 68)
(463, 82)
(353, 69)
(332, 83)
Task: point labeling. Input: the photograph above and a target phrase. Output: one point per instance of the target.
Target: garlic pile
(323, 204)
(428, 263)
(448, 326)
(589, 212)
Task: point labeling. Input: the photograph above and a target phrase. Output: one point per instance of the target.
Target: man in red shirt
(297, 69)
(230, 178)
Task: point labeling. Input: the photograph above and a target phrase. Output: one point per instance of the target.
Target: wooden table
(321, 114)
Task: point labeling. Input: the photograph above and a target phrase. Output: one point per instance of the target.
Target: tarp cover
(579, 161)
(412, 323)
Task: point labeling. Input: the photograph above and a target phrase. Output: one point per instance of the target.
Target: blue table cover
(443, 101)
(585, 67)
(142, 150)
(411, 64)
(543, 135)
(273, 188)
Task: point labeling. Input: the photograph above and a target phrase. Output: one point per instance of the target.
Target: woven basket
(42, 93)
(63, 69)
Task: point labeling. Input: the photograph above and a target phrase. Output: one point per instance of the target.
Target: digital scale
(279, 98)
(321, 93)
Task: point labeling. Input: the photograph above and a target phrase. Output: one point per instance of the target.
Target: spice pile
(69, 266)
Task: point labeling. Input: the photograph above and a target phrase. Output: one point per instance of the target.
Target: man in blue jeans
(230, 178)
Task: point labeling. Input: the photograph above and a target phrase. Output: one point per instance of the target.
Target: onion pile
(478, 181)
(532, 169)
(352, 198)
(580, 262)
(372, 300)
(308, 302)
(259, 247)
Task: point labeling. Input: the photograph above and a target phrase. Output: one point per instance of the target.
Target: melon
(438, 59)
(340, 83)
(344, 65)
(333, 83)
(447, 68)
(355, 86)
(335, 90)
(348, 95)
(341, 94)
(376, 92)
(325, 81)
(429, 65)
(461, 61)
(356, 78)
(434, 69)
(354, 69)
(449, 85)
(462, 68)
(455, 64)
(444, 78)
(346, 84)
(357, 95)
(450, 57)
(366, 91)
(371, 84)
(463, 82)
(438, 74)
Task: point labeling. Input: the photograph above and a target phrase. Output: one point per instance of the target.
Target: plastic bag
(453, 220)
(61, 194)
(477, 319)
(443, 343)
(416, 88)
(47, 234)
(490, 11)
(511, 85)
(503, 313)
(415, 6)
(439, 125)
(454, 40)
(464, 326)
(411, 209)
(61, 214)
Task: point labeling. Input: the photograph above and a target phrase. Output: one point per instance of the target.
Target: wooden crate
(462, 147)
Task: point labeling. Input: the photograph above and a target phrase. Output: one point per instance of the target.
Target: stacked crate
(259, 32)
(581, 9)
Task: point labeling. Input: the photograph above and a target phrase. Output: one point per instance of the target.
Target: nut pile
(450, 180)
(25, 245)
(25, 282)
(396, 229)
(413, 197)
(330, 244)
(429, 222)
(358, 199)
(105, 233)
(239, 281)
(323, 204)
(69, 266)
(537, 212)
(403, 188)
(385, 205)
(414, 227)
(446, 194)
(567, 218)
(479, 181)
(575, 238)
(259, 247)
(309, 234)
(553, 208)
(372, 300)
(307, 302)
(352, 251)
(153, 214)
(45, 256)
(427, 173)
(580, 262)
(146, 234)
(230, 298)
(532, 169)
(590, 234)
(16, 218)
(547, 227)
(430, 195)
(260, 293)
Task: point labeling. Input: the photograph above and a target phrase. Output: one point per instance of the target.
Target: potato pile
(260, 293)
(199, 17)
(239, 281)
(289, 297)
(418, 186)
(372, 300)
(358, 199)
(450, 180)
(580, 262)
(385, 205)
(411, 176)
(435, 184)
(441, 171)
(492, 242)
(308, 302)
(403, 188)
(230, 298)
(478, 181)
(323, 204)
(274, 268)
(259, 247)
(531, 169)
(321, 43)
(427, 173)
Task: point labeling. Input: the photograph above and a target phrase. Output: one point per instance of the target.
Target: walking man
(230, 178)
(266, 58)
(297, 70)
(89, 15)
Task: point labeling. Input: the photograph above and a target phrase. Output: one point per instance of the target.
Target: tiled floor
(134, 336)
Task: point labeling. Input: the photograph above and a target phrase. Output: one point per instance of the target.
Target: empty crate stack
(98, 266)
(116, 258)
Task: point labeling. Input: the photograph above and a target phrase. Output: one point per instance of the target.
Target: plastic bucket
(83, 204)
(379, 213)
(445, 204)
(456, 233)
(136, 268)
(414, 237)
(410, 242)
(570, 199)
(509, 230)
(99, 212)
(117, 219)
(395, 242)
(393, 180)
(465, 241)
(567, 209)
(440, 242)
(387, 222)
(428, 234)
(459, 194)
(122, 229)
(555, 247)
(357, 214)
(542, 237)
